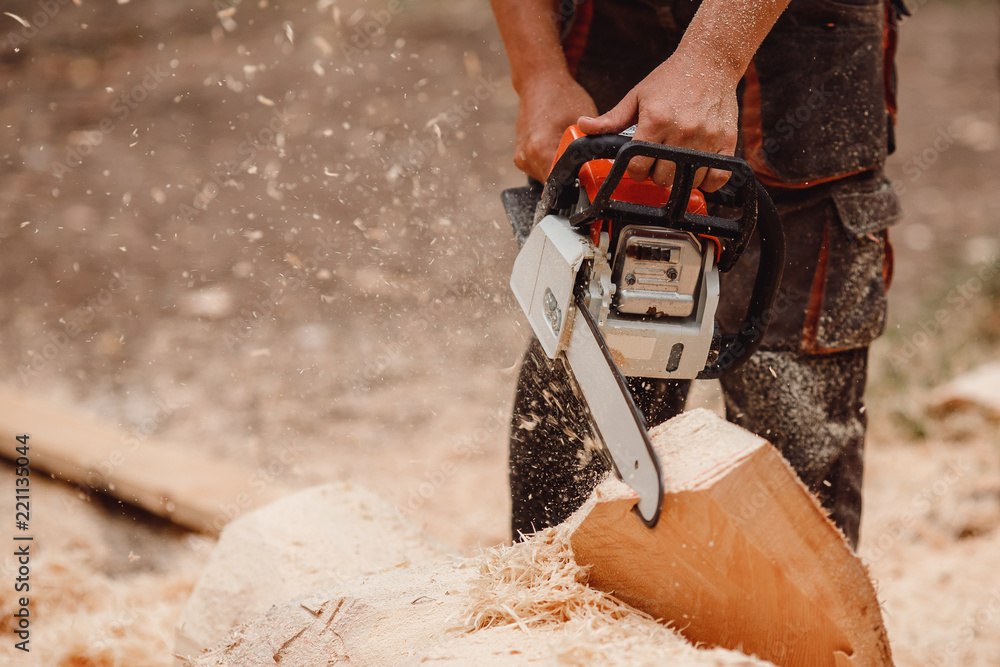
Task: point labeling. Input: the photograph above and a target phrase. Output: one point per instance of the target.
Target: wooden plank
(179, 483)
(743, 556)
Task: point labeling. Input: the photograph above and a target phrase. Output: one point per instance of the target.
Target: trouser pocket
(822, 91)
(833, 286)
(847, 307)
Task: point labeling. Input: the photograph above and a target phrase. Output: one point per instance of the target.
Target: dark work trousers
(815, 126)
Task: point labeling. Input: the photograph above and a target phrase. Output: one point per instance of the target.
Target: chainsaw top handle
(562, 191)
(742, 191)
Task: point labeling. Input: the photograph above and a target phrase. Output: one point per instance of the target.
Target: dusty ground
(280, 227)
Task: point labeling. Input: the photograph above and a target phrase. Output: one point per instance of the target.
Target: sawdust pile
(96, 600)
(538, 582)
(538, 586)
(84, 618)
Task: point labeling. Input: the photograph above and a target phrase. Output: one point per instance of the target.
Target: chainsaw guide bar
(616, 418)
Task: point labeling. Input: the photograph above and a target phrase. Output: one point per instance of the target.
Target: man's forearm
(530, 31)
(725, 34)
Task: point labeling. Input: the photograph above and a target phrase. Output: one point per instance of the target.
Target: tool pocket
(822, 90)
(848, 305)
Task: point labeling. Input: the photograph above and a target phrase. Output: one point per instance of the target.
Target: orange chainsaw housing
(594, 173)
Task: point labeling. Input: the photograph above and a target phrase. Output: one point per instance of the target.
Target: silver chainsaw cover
(674, 280)
(544, 276)
(665, 328)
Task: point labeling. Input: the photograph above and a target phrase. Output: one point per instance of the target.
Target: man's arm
(690, 100)
(550, 98)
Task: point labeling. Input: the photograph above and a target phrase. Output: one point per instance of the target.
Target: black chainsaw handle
(562, 190)
(736, 348)
(561, 187)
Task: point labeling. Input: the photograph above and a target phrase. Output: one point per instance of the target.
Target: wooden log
(509, 606)
(976, 390)
(743, 555)
(178, 483)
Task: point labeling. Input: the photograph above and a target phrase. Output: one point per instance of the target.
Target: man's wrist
(531, 34)
(554, 76)
(705, 61)
(534, 79)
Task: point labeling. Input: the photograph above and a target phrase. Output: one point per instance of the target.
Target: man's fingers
(621, 117)
(663, 172)
(640, 168)
(537, 168)
(708, 180)
(714, 179)
(669, 129)
(653, 130)
(534, 154)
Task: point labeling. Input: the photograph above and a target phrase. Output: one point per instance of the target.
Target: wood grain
(743, 556)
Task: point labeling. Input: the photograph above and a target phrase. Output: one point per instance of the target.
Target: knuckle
(640, 165)
(714, 180)
(521, 161)
(657, 119)
(535, 148)
(688, 128)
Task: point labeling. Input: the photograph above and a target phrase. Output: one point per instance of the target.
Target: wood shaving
(18, 19)
(538, 582)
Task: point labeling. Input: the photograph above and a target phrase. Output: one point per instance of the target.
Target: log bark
(743, 555)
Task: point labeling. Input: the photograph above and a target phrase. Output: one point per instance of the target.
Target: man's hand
(551, 99)
(690, 100)
(548, 106)
(680, 103)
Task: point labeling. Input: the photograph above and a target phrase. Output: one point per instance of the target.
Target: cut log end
(743, 556)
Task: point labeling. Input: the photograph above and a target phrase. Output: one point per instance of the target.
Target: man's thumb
(621, 117)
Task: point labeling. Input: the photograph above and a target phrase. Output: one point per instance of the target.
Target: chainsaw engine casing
(661, 322)
(656, 271)
(655, 307)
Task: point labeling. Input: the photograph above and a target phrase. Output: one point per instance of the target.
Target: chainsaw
(620, 278)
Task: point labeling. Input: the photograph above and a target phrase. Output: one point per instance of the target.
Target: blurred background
(252, 228)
